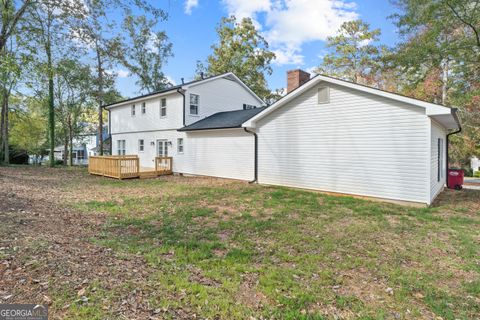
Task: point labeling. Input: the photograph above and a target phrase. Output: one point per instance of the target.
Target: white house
(325, 134)
(148, 127)
(475, 164)
(83, 148)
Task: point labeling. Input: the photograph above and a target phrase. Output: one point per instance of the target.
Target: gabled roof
(223, 120)
(185, 86)
(445, 115)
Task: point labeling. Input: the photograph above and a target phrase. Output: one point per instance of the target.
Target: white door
(162, 148)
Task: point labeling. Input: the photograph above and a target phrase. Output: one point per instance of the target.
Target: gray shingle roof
(223, 120)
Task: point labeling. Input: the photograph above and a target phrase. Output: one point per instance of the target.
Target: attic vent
(323, 95)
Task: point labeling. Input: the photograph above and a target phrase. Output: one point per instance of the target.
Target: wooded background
(56, 58)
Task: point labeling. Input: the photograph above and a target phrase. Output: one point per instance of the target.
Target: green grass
(234, 250)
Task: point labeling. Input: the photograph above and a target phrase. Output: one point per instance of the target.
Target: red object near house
(455, 179)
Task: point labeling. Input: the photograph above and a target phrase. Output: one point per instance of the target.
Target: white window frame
(132, 110)
(121, 147)
(163, 108)
(328, 95)
(144, 108)
(141, 145)
(180, 145)
(196, 105)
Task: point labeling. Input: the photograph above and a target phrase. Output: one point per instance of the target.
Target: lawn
(183, 247)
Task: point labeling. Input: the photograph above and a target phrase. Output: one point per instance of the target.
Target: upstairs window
(180, 145)
(121, 150)
(323, 95)
(194, 99)
(141, 145)
(248, 106)
(163, 107)
(144, 109)
(133, 110)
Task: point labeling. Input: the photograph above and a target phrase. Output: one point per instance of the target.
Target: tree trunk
(100, 100)
(65, 151)
(70, 140)
(51, 106)
(444, 81)
(1, 131)
(6, 153)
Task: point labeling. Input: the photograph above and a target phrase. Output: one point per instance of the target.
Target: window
(248, 106)
(323, 95)
(141, 145)
(144, 109)
(163, 107)
(133, 110)
(440, 159)
(180, 145)
(194, 103)
(81, 154)
(121, 147)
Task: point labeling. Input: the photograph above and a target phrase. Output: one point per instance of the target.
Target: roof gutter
(180, 90)
(447, 142)
(255, 179)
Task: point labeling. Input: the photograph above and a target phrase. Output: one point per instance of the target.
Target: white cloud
(170, 79)
(190, 5)
(121, 73)
(288, 24)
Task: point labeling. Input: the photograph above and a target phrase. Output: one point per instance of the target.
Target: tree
(9, 18)
(29, 128)
(96, 31)
(440, 61)
(9, 68)
(354, 57)
(73, 86)
(242, 50)
(144, 52)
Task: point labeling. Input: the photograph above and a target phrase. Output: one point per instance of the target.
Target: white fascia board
(430, 108)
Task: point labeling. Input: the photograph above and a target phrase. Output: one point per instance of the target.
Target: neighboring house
(475, 164)
(83, 147)
(325, 134)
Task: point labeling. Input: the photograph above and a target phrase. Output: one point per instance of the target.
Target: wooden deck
(128, 166)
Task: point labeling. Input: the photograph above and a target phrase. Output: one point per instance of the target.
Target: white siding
(358, 143)
(220, 153)
(122, 121)
(437, 132)
(217, 96)
(150, 150)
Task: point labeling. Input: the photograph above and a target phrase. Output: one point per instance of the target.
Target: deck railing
(123, 167)
(120, 167)
(163, 165)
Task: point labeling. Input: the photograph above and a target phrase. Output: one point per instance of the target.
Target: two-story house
(148, 125)
(324, 134)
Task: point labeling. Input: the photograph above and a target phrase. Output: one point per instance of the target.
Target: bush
(468, 172)
(477, 174)
(58, 162)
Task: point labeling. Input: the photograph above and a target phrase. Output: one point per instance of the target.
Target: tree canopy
(241, 49)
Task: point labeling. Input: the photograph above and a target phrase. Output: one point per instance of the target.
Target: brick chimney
(296, 78)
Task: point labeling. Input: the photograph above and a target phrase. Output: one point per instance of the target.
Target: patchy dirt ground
(96, 248)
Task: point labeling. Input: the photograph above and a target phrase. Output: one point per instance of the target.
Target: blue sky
(295, 29)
